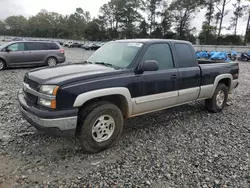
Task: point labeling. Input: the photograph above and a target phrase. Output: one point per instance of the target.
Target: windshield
(116, 54)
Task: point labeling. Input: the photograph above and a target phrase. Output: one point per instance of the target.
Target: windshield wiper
(105, 64)
(87, 62)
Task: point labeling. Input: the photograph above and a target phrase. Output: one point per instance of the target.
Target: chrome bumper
(63, 124)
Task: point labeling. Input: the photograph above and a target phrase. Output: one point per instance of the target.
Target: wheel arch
(119, 96)
(2, 59)
(223, 78)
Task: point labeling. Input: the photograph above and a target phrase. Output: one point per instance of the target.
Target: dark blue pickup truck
(122, 79)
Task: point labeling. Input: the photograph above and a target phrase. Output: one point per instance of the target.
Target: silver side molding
(154, 102)
(83, 98)
(206, 92)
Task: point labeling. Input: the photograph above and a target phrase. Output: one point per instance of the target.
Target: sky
(32, 7)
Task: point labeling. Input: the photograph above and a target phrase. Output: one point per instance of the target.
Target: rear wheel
(218, 101)
(2, 65)
(101, 125)
(51, 61)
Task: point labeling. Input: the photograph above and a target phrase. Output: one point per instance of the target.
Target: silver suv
(31, 53)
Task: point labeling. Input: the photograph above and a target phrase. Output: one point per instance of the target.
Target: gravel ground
(180, 147)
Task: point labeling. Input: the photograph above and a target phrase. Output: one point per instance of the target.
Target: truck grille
(30, 97)
(32, 84)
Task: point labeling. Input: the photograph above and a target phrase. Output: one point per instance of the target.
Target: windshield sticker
(138, 45)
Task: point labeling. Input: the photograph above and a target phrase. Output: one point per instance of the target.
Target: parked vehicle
(67, 44)
(92, 46)
(87, 46)
(74, 45)
(123, 79)
(244, 57)
(232, 56)
(6, 39)
(17, 39)
(30, 53)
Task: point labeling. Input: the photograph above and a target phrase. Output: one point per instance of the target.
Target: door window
(16, 47)
(160, 53)
(32, 46)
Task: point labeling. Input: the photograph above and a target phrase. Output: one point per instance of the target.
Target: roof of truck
(152, 40)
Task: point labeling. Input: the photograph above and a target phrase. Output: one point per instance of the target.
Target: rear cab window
(185, 55)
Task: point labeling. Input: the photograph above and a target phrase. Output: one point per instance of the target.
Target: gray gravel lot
(180, 147)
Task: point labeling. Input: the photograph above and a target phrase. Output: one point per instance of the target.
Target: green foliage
(119, 19)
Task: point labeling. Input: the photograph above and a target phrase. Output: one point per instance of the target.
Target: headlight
(49, 100)
(49, 89)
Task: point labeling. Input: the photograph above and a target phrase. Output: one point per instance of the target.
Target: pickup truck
(121, 80)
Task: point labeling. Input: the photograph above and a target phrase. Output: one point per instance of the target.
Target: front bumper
(59, 123)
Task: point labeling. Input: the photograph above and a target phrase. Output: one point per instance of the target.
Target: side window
(53, 46)
(160, 53)
(30, 46)
(185, 56)
(16, 47)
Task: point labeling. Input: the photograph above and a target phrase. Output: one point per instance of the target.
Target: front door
(157, 90)
(15, 54)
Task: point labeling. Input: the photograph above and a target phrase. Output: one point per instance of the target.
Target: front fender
(84, 97)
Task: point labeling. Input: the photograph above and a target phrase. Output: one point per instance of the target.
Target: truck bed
(206, 61)
(211, 70)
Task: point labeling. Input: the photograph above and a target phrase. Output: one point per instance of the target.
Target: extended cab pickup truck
(122, 79)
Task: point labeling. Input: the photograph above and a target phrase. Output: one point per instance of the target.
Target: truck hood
(63, 74)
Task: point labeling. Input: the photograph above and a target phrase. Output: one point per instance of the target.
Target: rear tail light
(62, 51)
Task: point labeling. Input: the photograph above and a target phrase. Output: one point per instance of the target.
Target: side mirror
(149, 65)
(7, 50)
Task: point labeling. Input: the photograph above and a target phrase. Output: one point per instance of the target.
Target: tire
(51, 61)
(92, 123)
(2, 65)
(217, 103)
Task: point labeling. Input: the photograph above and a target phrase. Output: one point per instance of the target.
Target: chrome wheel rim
(220, 98)
(1, 65)
(52, 62)
(103, 128)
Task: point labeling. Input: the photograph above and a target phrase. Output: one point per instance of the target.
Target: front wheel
(100, 126)
(218, 101)
(2, 64)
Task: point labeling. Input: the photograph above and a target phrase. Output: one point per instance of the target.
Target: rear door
(36, 52)
(157, 89)
(15, 54)
(189, 71)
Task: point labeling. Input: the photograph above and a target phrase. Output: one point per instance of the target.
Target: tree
(238, 13)
(182, 12)
(151, 7)
(143, 29)
(2, 28)
(207, 28)
(205, 37)
(247, 33)
(222, 12)
(16, 25)
(166, 18)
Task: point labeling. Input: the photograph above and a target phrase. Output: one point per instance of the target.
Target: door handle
(174, 77)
